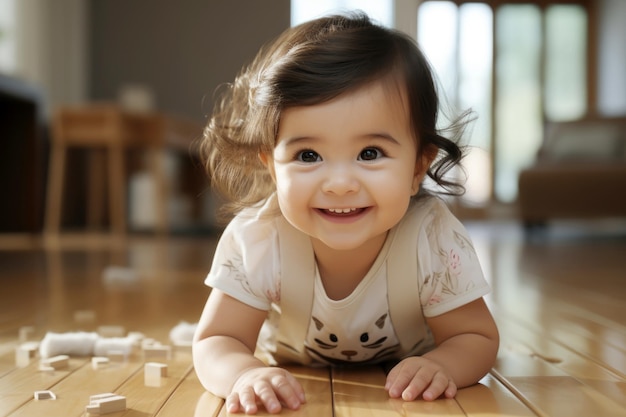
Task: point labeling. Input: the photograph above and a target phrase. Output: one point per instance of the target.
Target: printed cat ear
(318, 324)
(380, 323)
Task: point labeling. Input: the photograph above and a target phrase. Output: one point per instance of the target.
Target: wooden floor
(559, 299)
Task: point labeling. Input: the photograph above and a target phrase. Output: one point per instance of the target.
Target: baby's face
(345, 170)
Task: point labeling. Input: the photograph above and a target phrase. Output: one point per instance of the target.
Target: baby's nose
(340, 180)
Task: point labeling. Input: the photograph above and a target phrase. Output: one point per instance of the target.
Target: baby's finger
(265, 392)
(233, 405)
(397, 383)
(247, 400)
(418, 384)
(440, 384)
(289, 390)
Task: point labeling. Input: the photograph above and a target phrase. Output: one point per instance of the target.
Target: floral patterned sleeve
(245, 264)
(450, 272)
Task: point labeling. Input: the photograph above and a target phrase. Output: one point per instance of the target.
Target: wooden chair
(104, 130)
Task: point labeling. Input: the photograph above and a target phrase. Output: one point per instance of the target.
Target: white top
(356, 329)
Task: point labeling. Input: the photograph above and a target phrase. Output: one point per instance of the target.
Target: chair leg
(54, 200)
(95, 192)
(157, 165)
(117, 190)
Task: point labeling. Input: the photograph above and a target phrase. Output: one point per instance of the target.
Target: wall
(181, 51)
(51, 42)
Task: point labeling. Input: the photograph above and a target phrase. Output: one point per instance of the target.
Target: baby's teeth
(346, 210)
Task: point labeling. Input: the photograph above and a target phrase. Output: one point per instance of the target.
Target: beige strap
(297, 265)
(402, 288)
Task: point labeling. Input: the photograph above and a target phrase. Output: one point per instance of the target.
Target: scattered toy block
(136, 337)
(24, 353)
(153, 372)
(106, 403)
(46, 368)
(99, 362)
(147, 342)
(25, 332)
(111, 331)
(157, 352)
(22, 357)
(44, 395)
(56, 362)
(32, 347)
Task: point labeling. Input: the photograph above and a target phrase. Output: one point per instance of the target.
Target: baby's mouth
(342, 211)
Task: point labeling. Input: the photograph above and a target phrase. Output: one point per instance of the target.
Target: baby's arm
(223, 354)
(467, 344)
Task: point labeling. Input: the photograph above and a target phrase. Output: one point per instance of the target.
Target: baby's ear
(428, 155)
(267, 161)
(424, 159)
(264, 158)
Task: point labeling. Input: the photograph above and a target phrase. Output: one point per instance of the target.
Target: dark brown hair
(310, 64)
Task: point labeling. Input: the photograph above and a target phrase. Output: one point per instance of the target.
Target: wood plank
(147, 401)
(490, 398)
(533, 342)
(191, 399)
(17, 387)
(7, 362)
(360, 392)
(550, 392)
(316, 384)
(523, 341)
(74, 391)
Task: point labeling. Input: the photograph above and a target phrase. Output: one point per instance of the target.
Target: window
(8, 58)
(516, 65)
(458, 44)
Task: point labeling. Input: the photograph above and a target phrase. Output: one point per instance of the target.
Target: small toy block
(25, 332)
(32, 347)
(106, 403)
(99, 362)
(56, 362)
(148, 342)
(24, 353)
(111, 331)
(46, 368)
(137, 338)
(157, 352)
(153, 372)
(84, 316)
(45, 395)
(22, 357)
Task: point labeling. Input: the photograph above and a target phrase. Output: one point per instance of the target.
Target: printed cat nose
(349, 353)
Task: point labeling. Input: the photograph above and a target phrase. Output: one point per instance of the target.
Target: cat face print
(373, 343)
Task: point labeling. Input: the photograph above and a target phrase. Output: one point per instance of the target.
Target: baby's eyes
(308, 156)
(370, 154)
(367, 154)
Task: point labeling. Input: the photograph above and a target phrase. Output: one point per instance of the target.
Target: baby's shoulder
(253, 226)
(428, 209)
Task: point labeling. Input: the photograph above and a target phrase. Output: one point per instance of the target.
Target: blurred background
(523, 67)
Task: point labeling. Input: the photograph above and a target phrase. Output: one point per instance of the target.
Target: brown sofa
(580, 172)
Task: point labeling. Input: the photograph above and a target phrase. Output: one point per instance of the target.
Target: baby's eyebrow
(382, 135)
(294, 141)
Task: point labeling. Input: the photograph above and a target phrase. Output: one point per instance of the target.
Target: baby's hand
(270, 386)
(418, 375)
